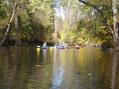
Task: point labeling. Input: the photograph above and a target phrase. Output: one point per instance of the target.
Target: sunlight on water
(38, 52)
(36, 68)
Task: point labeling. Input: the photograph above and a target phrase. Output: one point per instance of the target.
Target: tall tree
(115, 5)
(9, 24)
(98, 6)
(29, 21)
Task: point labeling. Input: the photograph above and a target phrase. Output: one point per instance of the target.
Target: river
(35, 68)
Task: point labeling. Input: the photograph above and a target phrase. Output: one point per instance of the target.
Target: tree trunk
(116, 24)
(9, 24)
(16, 21)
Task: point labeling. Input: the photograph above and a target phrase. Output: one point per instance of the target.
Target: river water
(35, 68)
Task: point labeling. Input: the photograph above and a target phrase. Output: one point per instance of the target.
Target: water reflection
(58, 70)
(15, 63)
(41, 56)
(115, 70)
(10, 69)
(32, 68)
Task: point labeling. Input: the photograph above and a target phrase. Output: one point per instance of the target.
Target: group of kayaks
(60, 46)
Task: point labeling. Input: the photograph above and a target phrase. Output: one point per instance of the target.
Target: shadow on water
(35, 68)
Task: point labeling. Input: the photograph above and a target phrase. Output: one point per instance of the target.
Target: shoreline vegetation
(40, 43)
(86, 23)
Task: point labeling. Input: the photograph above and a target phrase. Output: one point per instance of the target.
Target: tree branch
(9, 24)
(91, 5)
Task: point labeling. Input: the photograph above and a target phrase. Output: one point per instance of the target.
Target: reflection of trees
(114, 70)
(40, 77)
(58, 70)
(9, 69)
(16, 66)
(94, 68)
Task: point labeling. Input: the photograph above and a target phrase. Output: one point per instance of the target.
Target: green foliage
(42, 18)
(82, 24)
(98, 26)
(92, 27)
(2, 9)
(34, 20)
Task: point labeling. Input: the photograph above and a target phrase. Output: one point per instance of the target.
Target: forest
(84, 22)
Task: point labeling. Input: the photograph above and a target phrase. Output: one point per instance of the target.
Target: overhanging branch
(91, 5)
